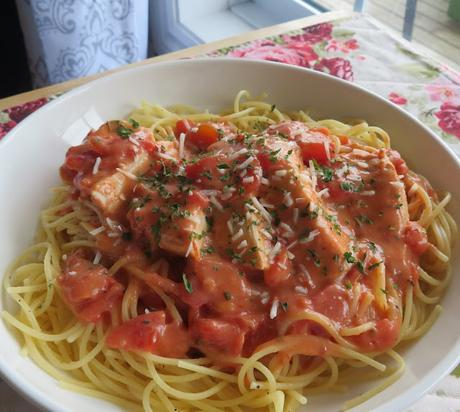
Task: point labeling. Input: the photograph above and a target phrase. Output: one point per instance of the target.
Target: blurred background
(50, 41)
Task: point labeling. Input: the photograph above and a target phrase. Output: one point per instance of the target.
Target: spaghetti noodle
(245, 260)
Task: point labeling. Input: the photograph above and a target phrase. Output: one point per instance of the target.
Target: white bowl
(31, 154)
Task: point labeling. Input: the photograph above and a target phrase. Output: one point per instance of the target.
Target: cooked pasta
(245, 260)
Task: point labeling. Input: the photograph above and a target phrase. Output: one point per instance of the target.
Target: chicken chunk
(111, 192)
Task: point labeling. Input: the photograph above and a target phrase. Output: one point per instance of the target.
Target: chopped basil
(348, 285)
(284, 305)
(227, 295)
(372, 246)
(273, 107)
(223, 166)
(187, 284)
(360, 266)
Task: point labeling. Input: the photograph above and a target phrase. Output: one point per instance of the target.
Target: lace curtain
(66, 39)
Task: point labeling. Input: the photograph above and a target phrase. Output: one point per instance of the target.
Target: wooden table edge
(190, 52)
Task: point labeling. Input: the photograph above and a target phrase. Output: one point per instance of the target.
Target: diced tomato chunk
(415, 237)
(279, 271)
(150, 333)
(183, 126)
(252, 187)
(218, 335)
(398, 162)
(205, 136)
(333, 302)
(78, 159)
(87, 289)
(205, 172)
(149, 146)
(384, 336)
(315, 147)
(140, 333)
(343, 139)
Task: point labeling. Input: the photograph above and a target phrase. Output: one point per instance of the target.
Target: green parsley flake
(349, 257)
(374, 265)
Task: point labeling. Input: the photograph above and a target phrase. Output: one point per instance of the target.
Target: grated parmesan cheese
(310, 236)
(327, 150)
(288, 199)
(306, 274)
(301, 289)
(238, 153)
(360, 152)
(127, 174)
(286, 227)
(230, 226)
(267, 234)
(274, 309)
(261, 209)
(237, 235)
(181, 145)
(243, 244)
(216, 203)
(165, 156)
(314, 179)
(133, 141)
(97, 258)
(96, 165)
(246, 163)
(324, 192)
(274, 251)
(295, 215)
(248, 179)
(281, 173)
(96, 231)
(189, 249)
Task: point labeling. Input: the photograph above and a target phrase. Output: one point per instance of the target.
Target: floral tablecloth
(359, 51)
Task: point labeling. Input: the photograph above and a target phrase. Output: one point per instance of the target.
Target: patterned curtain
(66, 39)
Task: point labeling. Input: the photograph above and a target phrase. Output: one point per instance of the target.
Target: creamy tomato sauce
(257, 230)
